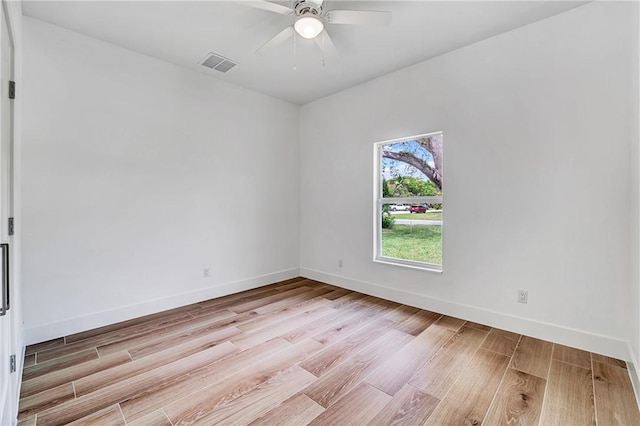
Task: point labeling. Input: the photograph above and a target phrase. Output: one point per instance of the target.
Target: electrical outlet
(206, 273)
(339, 263)
(523, 296)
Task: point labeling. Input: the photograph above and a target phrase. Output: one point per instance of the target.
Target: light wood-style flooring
(302, 352)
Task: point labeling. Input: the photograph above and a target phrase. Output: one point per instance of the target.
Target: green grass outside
(421, 243)
(419, 216)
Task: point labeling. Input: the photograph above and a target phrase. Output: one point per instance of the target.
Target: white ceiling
(183, 32)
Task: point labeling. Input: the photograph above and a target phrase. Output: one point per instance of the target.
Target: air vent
(217, 62)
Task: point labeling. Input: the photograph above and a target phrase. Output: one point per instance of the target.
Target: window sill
(409, 264)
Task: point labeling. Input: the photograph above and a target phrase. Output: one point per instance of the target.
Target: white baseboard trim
(591, 342)
(58, 329)
(634, 368)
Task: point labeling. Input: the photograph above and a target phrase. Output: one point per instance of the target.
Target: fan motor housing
(308, 6)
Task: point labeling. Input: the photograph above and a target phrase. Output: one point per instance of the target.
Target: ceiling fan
(310, 20)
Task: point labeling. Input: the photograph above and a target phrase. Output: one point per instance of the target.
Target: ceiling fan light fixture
(308, 26)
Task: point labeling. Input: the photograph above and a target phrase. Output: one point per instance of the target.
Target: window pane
(413, 236)
(412, 168)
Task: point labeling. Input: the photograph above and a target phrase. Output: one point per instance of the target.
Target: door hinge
(12, 364)
(12, 89)
(10, 226)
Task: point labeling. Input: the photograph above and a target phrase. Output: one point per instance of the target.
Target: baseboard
(633, 368)
(591, 342)
(58, 329)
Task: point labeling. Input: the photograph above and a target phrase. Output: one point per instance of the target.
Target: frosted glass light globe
(308, 26)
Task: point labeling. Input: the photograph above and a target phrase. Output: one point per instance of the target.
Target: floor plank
(438, 374)
(91, 383)
(292, 301)
(608, 360)
(59, 363)
(469, 398)
(44, 400)
(401, 313)
(347, 299)
(572, 356)
(257, 321)
(282, 327)
(226, 302)
(349, 326)
(29, 360)
(162, 394)
(392, 374)
(569, 396)
(27, 421)
(68, 375)
(451, 323)
(418, 322)
(409, 406)
(111, 416)
(258, 401)
(155, 418)
(335, 294)
(297, 410)
(120, 391)
(343, 378)
(358, 407)
(478, 326)
(321, 325)
(518, 400)
(343, 349)
(203, 403)
(213, 333)
(49, 344)
(532, 356)
(141, 330)
(255, 304)
(614, 400)
(116, 335)
(209, 322)
(501, 341)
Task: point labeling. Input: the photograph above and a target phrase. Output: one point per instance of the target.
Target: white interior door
(8, 323)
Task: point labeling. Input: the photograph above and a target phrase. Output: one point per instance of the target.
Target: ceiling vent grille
(217, 62)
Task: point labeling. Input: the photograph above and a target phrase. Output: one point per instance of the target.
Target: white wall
(536, 187)
(137, 175)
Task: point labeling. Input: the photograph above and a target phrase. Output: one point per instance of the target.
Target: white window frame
(379, 201)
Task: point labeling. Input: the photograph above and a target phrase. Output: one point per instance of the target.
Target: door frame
(12, 339)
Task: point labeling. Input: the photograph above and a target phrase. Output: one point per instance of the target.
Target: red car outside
(417, 209)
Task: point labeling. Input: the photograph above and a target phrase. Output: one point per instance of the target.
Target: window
(408, 201)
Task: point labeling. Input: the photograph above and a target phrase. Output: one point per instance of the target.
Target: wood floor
(302, 352)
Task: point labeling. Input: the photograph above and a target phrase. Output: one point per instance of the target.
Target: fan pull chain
(324, 41)
(295, 38)
(295, 50)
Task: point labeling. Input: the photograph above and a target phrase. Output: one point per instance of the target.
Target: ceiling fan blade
(327, 47)
(358, 17)
(271, 7)
(276, 41)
